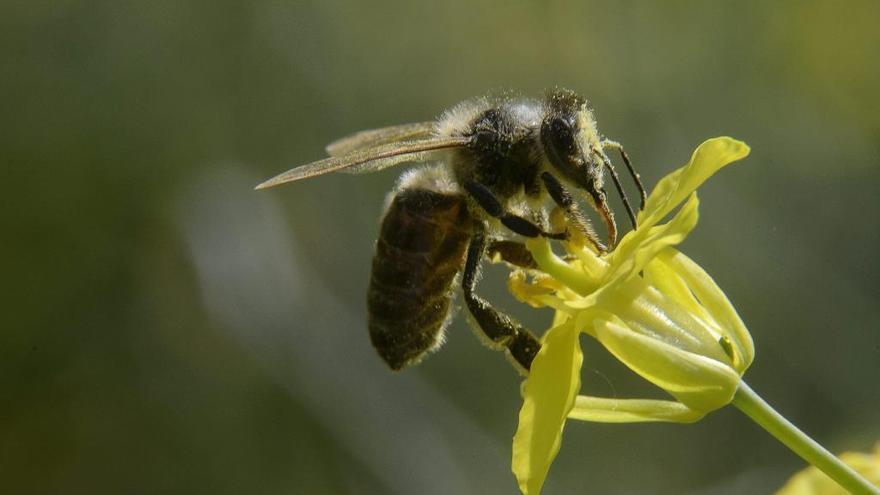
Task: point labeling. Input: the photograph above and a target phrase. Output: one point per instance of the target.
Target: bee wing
(376, 137)
(368, 160)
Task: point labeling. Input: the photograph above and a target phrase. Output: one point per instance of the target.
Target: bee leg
(563, 198)
(490, 204)
(511, 252)
(500, 329)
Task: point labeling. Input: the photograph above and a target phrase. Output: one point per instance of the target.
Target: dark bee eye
(557, 134)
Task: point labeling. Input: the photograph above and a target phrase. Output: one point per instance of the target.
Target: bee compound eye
(558, 134)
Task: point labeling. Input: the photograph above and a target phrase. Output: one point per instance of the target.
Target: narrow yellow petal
(639, 247)
(604, 410)
(709, 157)
(715, 301)
(673, 286)
(633, 253)
(548, 396)
(699, 382)
(649, 312)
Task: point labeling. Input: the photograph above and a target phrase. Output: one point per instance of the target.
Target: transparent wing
(368, 160)
(376, 137)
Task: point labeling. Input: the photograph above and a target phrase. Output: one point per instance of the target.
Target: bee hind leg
(501, 330)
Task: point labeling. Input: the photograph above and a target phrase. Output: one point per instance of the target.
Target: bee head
(570, 140)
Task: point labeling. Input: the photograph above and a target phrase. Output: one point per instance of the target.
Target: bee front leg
(563, 198)
(490, 204)
(500, 329)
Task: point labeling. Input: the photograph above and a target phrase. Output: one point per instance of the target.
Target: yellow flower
(811, 481)
(650, 305)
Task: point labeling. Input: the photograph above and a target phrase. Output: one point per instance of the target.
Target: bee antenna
(607, 163)
(643, 195)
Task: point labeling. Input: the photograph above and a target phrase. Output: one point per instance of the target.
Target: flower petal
(630, 257)
(605, 410)
(708, 158)
(668, 281)
(548, 396)
(649, 312)
(699, 382)
(640, 246)
(716, 303)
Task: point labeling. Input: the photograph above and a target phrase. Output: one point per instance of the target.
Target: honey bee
(494, 162)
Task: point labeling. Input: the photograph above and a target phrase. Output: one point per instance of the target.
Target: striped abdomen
(421, 249)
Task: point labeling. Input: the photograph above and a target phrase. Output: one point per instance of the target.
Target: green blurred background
(165, 329)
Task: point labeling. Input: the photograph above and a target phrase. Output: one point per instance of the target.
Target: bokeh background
(165, 329)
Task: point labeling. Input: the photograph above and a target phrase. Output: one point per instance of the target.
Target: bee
(494, 162)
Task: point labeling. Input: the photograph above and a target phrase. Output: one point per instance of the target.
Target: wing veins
(359, 159)
(376, 137)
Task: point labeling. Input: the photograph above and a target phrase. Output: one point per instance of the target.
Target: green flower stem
(747, 401)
